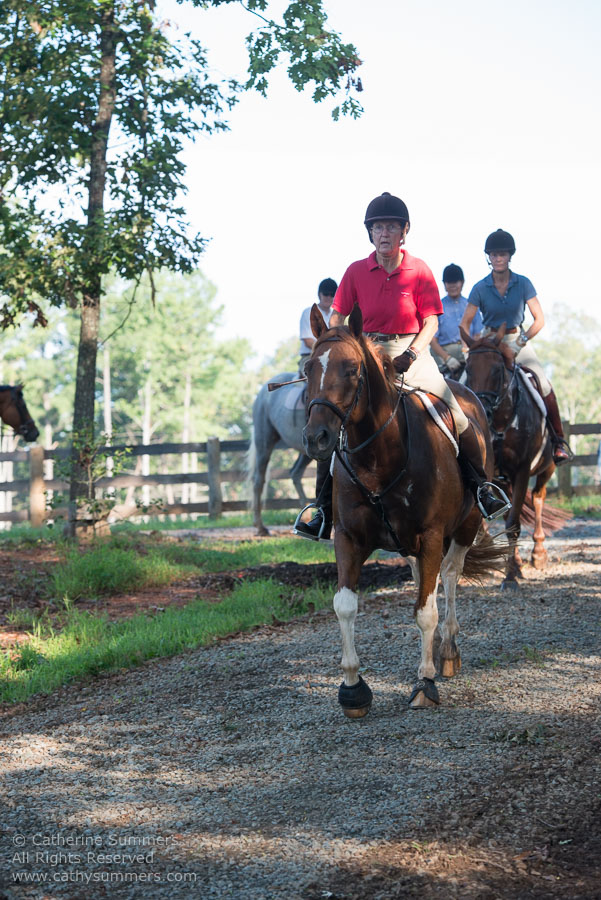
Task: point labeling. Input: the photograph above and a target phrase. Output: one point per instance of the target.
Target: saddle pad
(442, 415)
(295, 396)
(531, 382)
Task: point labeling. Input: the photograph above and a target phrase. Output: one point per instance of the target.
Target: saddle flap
(296, 396)
(442, 416)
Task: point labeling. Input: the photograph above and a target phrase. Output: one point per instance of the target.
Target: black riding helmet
(385, 207)
(500, 240)
(452, 273)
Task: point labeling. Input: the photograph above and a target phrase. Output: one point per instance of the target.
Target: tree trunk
(186, 435)
(146, 435)
(83, 409)
(108, 416)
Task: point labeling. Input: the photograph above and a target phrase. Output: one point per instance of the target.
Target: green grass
(87, 645)
(229, 520)
(584, 507)
(106, 569)
(125, 563)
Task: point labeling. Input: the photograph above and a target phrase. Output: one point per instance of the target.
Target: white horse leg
(452, 567)
(427, 622)
(345, 605)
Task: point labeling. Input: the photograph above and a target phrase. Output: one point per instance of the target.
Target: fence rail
(35, 487)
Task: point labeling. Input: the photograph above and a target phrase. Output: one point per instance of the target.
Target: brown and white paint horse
(14, 412)
(521, 442)
(397, 486)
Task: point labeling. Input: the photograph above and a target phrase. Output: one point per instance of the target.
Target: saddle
(441, 415)
(296, 397)
(532, 384)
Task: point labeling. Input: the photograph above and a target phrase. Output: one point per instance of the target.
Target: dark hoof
(356, 700)
(509, 585)
(424, 694)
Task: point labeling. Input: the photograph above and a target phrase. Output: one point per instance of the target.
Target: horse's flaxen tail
(553, 518)
(486, 556)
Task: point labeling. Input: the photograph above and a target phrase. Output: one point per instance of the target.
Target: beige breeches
(424, 375)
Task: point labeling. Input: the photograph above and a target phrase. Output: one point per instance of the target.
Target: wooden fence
(32, 491)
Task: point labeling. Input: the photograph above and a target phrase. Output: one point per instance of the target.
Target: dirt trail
(231, 772)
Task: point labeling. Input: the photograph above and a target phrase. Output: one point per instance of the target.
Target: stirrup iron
(298, 520)
(500, 494)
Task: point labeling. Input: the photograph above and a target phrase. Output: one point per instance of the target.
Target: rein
(492, 401)
(375, 497)
(342, 448)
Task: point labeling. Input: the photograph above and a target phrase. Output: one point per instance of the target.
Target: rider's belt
(382, 338)
(490, 330)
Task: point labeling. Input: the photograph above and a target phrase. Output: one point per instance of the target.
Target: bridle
(342, 449)
(492, 400)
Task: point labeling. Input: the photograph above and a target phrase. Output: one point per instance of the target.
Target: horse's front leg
(539, 553)
(425, 692)
(452, 567)
(354, 695)
(518, 494)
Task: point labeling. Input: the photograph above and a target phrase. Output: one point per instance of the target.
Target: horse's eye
(351, 373)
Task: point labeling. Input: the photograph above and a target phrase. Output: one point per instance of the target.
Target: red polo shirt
(395, 303)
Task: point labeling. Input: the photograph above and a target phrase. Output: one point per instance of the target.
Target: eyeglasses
(390, 227)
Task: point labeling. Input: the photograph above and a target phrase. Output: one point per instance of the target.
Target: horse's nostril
(322, 439)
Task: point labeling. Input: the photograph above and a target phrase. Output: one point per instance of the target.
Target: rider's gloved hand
(452, 364)
(401, 363)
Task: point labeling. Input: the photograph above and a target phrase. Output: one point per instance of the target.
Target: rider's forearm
(336, 319)
(428, 330)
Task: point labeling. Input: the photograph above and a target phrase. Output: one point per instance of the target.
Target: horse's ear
(500, 334)
(355, 322)
(318, 325)
(466, 338)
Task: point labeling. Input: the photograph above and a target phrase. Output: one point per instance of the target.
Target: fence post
(564, 473)
(214, 477)
(37, 498)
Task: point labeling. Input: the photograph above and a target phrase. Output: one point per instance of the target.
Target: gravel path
(231, 772)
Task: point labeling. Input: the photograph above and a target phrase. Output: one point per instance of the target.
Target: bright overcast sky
(480, 116)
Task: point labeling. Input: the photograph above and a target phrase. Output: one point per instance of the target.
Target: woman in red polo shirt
(400, 303)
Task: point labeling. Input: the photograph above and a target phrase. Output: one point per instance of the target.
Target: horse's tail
(553, 518)
(486, 556)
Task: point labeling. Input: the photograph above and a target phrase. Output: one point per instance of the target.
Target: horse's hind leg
(452, 567)
(539, 553)
(296, 473)
(262, 456)
(354, 695)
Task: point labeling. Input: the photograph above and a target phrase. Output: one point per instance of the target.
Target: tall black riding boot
(561, 449)
(491, 505)
(320, 526)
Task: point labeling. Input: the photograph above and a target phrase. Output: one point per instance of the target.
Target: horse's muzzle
(319, 443)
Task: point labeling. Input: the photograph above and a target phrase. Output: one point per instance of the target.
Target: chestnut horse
(14, 412)
(397, 486)
(521, 440)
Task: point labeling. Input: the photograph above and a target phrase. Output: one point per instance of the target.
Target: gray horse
(278, 422)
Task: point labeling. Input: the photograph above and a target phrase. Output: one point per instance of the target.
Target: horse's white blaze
(345, 605)
(452, 567)
(323, 358)
(427, 621)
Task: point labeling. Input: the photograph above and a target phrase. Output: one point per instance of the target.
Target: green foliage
(98, 97)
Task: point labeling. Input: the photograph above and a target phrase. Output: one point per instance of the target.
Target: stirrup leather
(500, 494)
(298, 520)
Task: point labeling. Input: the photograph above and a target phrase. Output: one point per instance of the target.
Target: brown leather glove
(401, 363)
